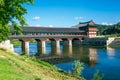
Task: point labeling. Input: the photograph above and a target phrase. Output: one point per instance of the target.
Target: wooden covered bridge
(76, 33)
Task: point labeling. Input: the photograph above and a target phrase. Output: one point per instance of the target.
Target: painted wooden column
(41, 46)
(25, 46)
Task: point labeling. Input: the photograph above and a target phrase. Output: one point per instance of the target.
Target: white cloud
(78, 18)
(50, 26)
(105, 23)
(36, 18)
(37, 25)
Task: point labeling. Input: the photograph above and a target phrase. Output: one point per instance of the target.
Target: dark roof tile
(49, 29)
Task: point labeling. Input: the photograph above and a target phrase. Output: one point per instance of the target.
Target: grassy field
(16, 67)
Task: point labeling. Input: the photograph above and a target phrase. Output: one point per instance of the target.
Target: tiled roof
(55, 29)
(50, 29)
(82, 24)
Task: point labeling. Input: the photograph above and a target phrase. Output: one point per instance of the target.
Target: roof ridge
(86, 22)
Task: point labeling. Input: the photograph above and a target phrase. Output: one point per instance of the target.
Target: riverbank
(14, 67)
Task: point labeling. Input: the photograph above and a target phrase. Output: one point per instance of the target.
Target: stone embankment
(103, 41)
(7, 45)
(113, 42)
(96, 41)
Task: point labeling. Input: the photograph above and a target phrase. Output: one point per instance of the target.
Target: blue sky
(66, 13)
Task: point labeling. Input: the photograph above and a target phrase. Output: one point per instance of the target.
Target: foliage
(113, 30)
(32, 41)
(69, 73)
(16, 42)
(11, 13)
(4, 32)
(101, 28)
(78, 68)
(97, 76)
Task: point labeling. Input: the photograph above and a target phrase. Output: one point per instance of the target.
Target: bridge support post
(25, 46)
(68, 43)
(67, 50)
(41, 46)
(77, 41)
(55, 43)
(70, 50)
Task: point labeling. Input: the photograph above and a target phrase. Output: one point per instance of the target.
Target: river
(104, 59)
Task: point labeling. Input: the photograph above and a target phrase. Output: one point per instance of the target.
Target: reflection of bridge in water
(74, 35)
(84, 54)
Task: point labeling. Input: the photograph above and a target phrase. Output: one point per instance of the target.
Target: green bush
(97, 76)
(77, 68)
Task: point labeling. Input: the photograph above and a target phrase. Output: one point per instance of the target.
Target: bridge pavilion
(55, 35)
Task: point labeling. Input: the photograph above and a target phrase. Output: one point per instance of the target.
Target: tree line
(111, 30)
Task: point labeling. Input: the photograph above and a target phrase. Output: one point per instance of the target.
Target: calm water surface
(106, 60)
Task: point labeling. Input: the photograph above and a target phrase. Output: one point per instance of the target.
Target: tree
(11, 13)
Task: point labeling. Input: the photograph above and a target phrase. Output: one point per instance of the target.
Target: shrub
(77, 68)
(97, 76)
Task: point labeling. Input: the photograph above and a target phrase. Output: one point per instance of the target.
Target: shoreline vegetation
(16, 42)
(15, 67)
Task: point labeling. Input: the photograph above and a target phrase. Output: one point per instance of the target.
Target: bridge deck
(46, 36)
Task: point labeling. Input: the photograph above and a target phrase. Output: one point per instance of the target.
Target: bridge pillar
(67, 41)
(41, 46)
(70, 50)
(68, 44)
(77, 41)
(25, 46)
(55, 43)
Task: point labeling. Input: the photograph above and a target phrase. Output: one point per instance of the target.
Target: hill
(109, 29)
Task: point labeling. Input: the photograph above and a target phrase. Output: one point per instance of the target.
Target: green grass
(16, 67)
(9, 72)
